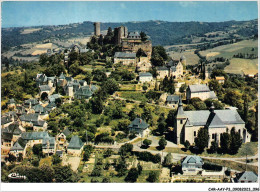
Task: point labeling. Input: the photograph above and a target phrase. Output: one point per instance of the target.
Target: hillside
(160, 32)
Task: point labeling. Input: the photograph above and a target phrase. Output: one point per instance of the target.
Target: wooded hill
(160, 32)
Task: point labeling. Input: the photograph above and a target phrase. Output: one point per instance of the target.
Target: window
(213, 136)
(181, 121)
(194, 133)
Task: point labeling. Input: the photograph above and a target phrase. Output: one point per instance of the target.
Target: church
(188, 123)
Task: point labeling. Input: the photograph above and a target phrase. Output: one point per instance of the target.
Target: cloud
(187, 3)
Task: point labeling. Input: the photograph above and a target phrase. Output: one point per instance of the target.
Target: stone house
(33, 138)
(188, 123)
(49, 145)
(6, 121)
(139, 127)
(144, 65)
(83, 92)
(145, 77)
(172, 100)
(125, 58)
(162, 72)
(62, 138)
(75, 146)
(11, 103)
(28, 104)
(45, 88)
(246, 177)
(41, 111)
(19, 147)
(201, 91)
(192, 165)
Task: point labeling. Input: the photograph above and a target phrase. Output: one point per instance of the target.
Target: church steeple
(180, 112)
(212, 108)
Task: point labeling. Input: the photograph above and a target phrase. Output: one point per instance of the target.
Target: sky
(35, 13)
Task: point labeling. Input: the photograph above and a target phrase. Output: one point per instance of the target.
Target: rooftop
(138, 123)
(199, 88)
(124, 55)
(75, 143)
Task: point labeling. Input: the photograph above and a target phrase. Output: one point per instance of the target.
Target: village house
(125, 58)
(45, 89)
(11, 103)
(173, 68)
(33, 138)
(62, 138)
(84, 92)
(162, 72)
(172, 100)
(220, 79)
(139, 127)
(192, 165)
(6, 121)
(246, 177)
(75, 146)
(19, 147)
(201, 91)
(49, 145)
(28, 104)
(41, 111)
(188, 123)
(145, 77)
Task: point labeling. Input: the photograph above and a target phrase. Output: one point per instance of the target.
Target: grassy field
(191, 58)
(138, 96)
(227, 51)
(238, 66)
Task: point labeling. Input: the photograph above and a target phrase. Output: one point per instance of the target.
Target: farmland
(238, 66)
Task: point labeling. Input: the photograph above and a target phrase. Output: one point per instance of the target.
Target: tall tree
(202, 139)
(225, 142)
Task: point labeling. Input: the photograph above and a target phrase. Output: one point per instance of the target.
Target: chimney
(140, 120)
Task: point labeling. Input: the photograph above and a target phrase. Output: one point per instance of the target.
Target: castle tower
(97, 28)
(180, 120)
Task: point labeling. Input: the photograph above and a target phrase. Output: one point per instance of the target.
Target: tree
(162, 143)
(97, 171)
(213, 147)
(170, 118)
(140, 168)
(47, 173)
(187, 144)
(121, 167)
(225, 141)
(147, 142)
(140, 53)
(245, 151)
(245, 98)
(183, 88)
(56, 159)
(168, 160)
(108, 152)
(37, 150)
(20, 157)
(132, 175)
(202, 139)
(153, 177)
(63, 174)
(236, 141)
(162, 127)
(96, 105)
(106, 180)
(110, 86)
(125, 149)
(11, 158)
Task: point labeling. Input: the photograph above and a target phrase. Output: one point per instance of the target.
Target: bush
(147, 142)
(211, 167)
(132, 175)
(153, 177)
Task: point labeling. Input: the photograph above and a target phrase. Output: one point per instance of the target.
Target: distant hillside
(160, 32)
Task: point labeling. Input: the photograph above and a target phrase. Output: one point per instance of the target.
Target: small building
(162, 72)
(145, 77)
(75, 146)
(39, 125)
(27, 119)
(201, 91)
(172, 100)
(139, 127)
(33, 138)
(192, 165)
(62, 138)
(41, 111)
(6, 121)
(125, 58)
(220, 79)
(84, 92)
(19, 147)
(246, 177)
(52, 98)
(11, 103)
(28, 104)
(176, 69)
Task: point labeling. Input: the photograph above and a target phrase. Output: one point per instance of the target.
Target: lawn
(133, 95)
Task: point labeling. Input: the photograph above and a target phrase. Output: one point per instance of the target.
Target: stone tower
(97, 28)
(180, 120)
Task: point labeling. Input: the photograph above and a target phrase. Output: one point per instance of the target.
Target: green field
(227, 51)
(133, 95)
(240, 66)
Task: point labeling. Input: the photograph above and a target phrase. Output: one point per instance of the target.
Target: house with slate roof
(52, 98)
(19, 147)
(246, 177)
(75, 146)
(41, 111)
(144, 64)
(6, 121)
(28, 104)
(15, 129)
(27, 119)
(145, 77)
(39, 125)
(6, 142)
(11, 103)
(188, 123)
(172, 100)
(49, 145)
(62, 138)
(162, 72)
(45, 88)
(50, 106)
(33, 138)
(125, 58)
(191, 165)
(176, 69)
(84, 92)
(201, 91)
(139, 127)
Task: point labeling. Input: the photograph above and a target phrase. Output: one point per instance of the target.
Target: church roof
(180, 112)
(214, 121)
(199, 88)
(75, 143)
